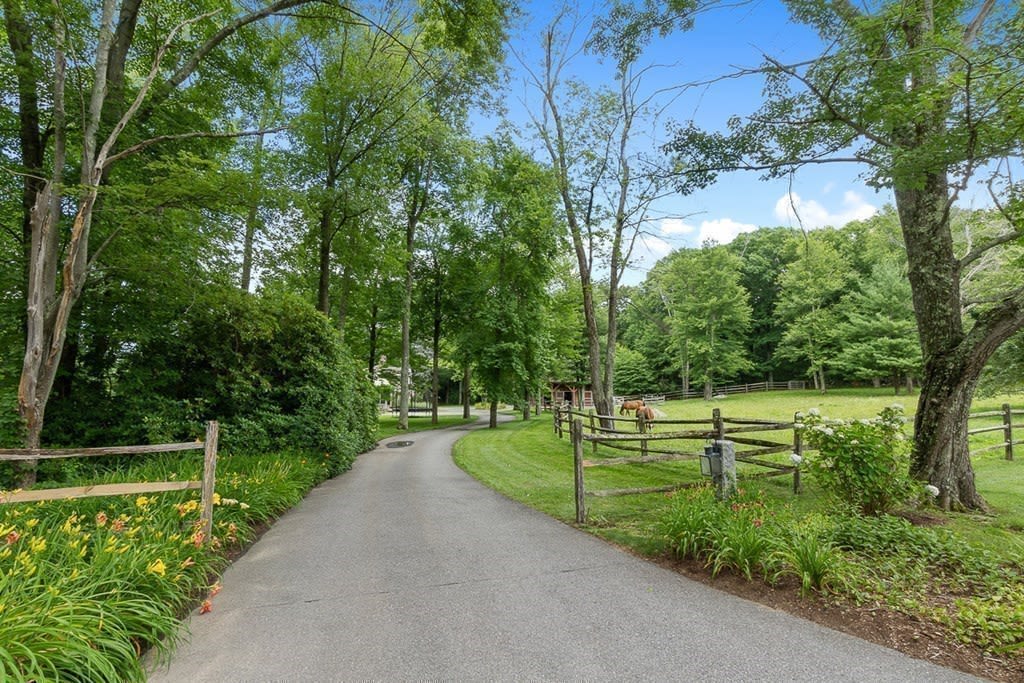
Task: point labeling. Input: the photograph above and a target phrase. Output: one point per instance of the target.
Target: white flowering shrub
(863, 463)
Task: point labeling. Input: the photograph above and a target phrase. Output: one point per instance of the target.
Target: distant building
(579, 395)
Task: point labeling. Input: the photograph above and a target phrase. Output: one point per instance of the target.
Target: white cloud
(722, 230)
(675, 226)
(792, 209)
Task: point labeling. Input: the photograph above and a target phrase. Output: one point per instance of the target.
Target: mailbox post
(719, 463)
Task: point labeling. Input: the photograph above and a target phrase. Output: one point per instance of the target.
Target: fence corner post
(209, 477)
(577, 459)
(1008, 430)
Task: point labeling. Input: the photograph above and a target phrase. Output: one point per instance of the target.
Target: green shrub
(738, 534)
(270, 368)
(861, 463)
(688, 523)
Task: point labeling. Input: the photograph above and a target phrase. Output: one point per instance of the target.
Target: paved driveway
(405, 568)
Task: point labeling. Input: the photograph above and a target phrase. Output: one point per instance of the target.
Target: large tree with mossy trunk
(927, 96)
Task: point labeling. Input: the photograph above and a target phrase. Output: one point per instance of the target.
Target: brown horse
(644, 418)
(631, 405)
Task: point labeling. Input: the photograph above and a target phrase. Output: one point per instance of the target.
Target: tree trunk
(404, 382)
(708, 390)
(435, 378)
(323, 303)
(251, 222)
(941, 452)
(467, 403)
(526, 405)
(493, 416)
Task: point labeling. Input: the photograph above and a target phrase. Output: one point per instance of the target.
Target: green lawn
(528, 462)
(388, 424)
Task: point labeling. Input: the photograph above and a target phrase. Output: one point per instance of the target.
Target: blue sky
(721, 42)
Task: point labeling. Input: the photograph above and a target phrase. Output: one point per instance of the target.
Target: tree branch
(972, 30)
(138, 147)
(826, 102)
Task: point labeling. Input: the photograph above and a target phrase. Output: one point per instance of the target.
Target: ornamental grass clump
(861, 463)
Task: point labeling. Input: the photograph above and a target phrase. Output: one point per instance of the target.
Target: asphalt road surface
(407, 569)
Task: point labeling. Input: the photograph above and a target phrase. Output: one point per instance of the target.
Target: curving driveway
(405, 568)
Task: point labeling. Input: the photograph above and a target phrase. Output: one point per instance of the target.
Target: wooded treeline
(832, 306)
(264, 213)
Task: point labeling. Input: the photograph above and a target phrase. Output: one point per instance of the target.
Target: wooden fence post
(593, 431)
(577, 459)
(209, 477)
(718, 425)
(557, 412)
(798, 449)
(1008, 430)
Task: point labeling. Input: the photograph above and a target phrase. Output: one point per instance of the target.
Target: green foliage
(269, 368)
(743, 539)
(862, 463)
(515, 254)
(995, 622)
(85, 584)
(689, 522)
(708, 312)
(810, 557)
(878, 332)
(811, 286)
(939, 548)
(633, 373)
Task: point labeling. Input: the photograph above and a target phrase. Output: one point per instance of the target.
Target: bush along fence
(206, 485)
(658, 447)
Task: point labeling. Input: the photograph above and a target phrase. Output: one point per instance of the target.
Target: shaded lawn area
(419, 422)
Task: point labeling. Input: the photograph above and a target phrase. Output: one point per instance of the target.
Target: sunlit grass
(529, 463)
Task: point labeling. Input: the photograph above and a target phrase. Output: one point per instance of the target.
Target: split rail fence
(658, 447)
(206, 485)
(663, 447)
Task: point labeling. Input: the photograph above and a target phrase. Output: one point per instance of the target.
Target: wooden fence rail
(716, 428)
(206, 485)
(586, 427)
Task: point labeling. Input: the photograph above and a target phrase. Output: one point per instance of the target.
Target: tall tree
(764, 255)
(517, 248)
(926, 96)
(811, 287)
(710, 314)
(877, 333)
(57, 272)
(605, 186)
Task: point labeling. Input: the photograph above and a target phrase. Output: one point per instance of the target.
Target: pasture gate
(206, 485)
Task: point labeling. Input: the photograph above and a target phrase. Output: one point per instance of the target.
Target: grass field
(527, 462)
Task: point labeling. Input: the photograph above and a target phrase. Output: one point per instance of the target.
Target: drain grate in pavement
(399, 444)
